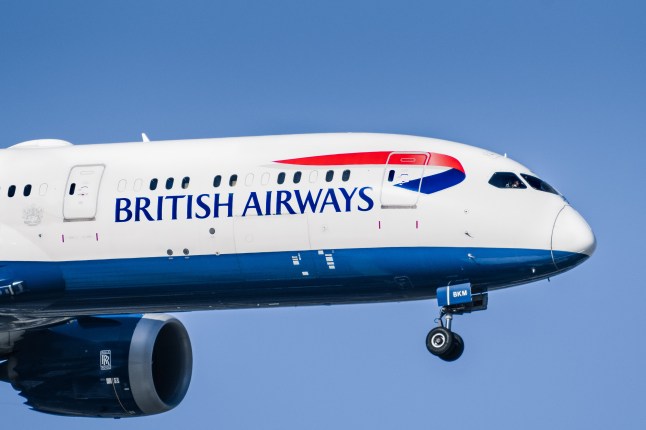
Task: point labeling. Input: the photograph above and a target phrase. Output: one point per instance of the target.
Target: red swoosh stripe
(341, 159)
(444, 160)
(381, 157)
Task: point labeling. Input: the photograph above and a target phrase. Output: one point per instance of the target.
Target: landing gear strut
(453, 300)
(443, 342)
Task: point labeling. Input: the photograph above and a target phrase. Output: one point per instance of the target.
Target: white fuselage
(91, 206)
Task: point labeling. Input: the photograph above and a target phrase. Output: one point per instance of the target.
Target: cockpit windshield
(539, 184)
(506, 180)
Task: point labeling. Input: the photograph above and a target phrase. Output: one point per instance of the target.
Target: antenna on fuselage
(144, 137)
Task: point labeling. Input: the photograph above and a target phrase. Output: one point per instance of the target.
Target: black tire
(456, 349)
(439, 341)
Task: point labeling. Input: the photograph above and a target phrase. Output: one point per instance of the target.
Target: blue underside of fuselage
(276, 278)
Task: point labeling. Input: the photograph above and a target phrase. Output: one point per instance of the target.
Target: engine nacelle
(121, 366)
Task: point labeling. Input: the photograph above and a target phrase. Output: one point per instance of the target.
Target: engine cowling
(120, 366)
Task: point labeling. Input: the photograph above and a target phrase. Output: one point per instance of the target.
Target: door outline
(82, 203)
(406, 166)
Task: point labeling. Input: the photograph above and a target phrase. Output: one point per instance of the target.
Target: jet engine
(116, 367)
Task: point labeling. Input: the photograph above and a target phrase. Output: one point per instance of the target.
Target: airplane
(100, 241)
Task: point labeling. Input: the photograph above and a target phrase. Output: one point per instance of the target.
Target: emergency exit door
(402, 179)
(82, 193)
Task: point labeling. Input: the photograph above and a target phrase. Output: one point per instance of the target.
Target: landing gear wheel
(456, 350)
(439, 341)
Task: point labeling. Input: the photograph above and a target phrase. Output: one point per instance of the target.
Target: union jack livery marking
(428, 184)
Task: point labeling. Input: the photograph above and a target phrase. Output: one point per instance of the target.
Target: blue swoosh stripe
(434, 183)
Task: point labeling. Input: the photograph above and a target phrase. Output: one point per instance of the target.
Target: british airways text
(201, 206)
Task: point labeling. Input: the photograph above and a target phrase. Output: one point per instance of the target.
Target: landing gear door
(402, 179)
(82, 193)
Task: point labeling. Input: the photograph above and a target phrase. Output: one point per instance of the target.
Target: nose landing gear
(443, 342)
(453, 300)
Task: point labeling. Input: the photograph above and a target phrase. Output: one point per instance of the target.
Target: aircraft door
(402, 179)
(82, 193)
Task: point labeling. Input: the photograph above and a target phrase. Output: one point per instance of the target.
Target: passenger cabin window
(248, 180)
(264, 179)
(121, 186)
(169, 183)
(297, 177)
(506, 180)
(217, 181)
(153, 184)
(539, 184)
(329, 176)
(281, 178)
(233, 180)
(314, 175)
(185, 182)
(27, 190)
(345, 177)
(11, 191)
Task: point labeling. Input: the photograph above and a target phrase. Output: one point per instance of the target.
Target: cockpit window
(539, 184)
(506, 180)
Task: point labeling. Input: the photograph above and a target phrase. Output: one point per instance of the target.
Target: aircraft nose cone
(572, 238)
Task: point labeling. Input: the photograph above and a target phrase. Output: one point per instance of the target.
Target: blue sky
(558, 85)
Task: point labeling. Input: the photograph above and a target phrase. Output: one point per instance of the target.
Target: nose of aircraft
(572, 238)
